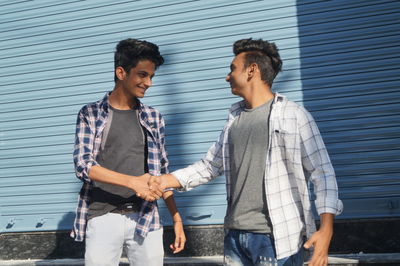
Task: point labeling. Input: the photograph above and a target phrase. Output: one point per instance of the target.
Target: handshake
(148, 187)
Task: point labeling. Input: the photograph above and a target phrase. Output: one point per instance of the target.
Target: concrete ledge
(376, 258)
(178, 261)
(350, 237)
(334, 260)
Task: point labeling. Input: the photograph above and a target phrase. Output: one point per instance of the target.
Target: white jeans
(108, 234)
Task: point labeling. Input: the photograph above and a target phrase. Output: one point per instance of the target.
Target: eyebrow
(232, 66)
(147, 73)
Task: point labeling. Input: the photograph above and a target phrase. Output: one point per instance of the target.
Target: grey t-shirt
(248, 142)
(124, 152)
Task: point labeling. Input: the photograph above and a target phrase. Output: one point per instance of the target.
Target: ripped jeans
(243, 248)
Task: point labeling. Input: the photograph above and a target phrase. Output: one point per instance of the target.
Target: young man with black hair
(119, 139)
(269, 150)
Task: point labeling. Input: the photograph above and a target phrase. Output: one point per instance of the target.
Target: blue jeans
(243, 248)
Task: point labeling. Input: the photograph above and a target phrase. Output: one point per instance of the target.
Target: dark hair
(264, 54)
(130, 51)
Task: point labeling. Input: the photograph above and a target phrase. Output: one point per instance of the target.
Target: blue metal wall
(341, 60)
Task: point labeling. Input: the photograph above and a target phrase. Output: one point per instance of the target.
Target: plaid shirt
(296, 155)
(90, 124)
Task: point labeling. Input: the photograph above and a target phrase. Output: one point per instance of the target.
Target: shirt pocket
(284, 145)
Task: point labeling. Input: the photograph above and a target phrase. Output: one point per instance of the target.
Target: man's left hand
(180, 238)
(320, 240)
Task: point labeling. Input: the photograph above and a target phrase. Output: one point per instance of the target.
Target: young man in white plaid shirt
(269, 150)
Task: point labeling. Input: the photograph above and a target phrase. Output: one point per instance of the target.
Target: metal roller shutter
(340, 61)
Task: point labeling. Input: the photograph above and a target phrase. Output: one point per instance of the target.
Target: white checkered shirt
(296, 155)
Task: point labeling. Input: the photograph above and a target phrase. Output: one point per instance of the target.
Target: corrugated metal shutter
(55, 56)
(350, 82)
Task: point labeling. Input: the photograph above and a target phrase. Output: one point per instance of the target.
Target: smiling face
(237, 77)
(138, 80)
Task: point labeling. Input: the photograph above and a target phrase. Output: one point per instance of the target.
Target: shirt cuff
(183, 178)
(334, 208)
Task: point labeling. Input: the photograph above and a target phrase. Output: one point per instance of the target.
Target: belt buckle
(129, 208)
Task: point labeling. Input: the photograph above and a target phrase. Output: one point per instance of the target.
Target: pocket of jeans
(87, 230)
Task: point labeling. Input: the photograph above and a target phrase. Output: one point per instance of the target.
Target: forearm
(101, 174)
(170, 181)
(326, 225)
(169, 200)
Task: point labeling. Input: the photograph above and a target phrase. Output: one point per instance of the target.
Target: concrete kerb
(334, 259)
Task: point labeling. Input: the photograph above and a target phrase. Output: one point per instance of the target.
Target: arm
(139, 184)
(168, 197)
(180, 237)
(83, 147)
(318, 167)
(201, 172)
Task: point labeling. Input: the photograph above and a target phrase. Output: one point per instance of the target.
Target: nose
(227, 78)
(148, 82)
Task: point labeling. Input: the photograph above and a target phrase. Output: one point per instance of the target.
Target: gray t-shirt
(124, 152)
(248, 142)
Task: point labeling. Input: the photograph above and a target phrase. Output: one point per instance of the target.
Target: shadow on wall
(61, 245)
(349, 72)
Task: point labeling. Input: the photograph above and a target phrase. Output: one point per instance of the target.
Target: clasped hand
(147, 187)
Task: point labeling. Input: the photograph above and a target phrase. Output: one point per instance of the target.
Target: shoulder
(153, 115)
(236, 108)
(91, 109)
(293, 110)
(150, 111)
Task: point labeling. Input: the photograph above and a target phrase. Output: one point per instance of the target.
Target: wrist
(326, 230)
(130, 183)
(326, 225)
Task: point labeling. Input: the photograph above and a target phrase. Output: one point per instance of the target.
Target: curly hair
(262, 53)
(130, 51)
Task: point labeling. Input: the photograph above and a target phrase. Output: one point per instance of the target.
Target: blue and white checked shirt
(296, 155)
(90, 124)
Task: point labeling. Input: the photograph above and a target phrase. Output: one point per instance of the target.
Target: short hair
(264, 54)
(130, 51)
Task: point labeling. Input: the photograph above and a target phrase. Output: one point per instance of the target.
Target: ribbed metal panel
(340, 61)
(350, 82)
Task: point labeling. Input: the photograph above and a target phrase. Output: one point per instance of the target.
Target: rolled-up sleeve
(83, 148)
(317, 164)
(203, 171)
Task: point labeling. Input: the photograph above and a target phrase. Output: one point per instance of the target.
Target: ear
(120, 73)
(252, 70)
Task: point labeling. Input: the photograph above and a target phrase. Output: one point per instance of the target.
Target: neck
(257, 96)
(121, 100)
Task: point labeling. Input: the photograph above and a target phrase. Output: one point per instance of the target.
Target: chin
(138, 95)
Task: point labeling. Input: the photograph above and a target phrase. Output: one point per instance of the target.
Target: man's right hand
(157, 181)
(164, 181)
(144, 190)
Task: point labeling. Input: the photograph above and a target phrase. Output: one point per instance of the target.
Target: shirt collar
(105, 102)
(238, 107)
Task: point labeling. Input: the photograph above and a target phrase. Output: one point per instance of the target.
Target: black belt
(127, 208)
